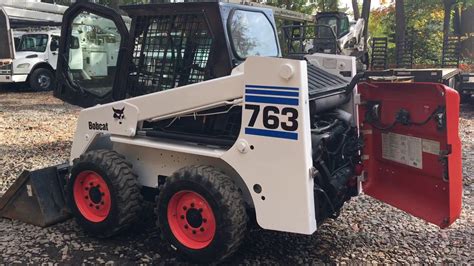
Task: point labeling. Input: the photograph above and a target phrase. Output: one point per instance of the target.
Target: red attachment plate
(402, 165)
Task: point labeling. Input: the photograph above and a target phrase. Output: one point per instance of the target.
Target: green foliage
(424, 21)
(299, 5)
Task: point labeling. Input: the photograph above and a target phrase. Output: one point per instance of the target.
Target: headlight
(24, 65)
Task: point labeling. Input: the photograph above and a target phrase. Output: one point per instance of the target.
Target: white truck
(29, 32)
(35, 60)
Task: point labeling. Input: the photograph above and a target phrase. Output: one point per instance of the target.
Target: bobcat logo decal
(118, 114)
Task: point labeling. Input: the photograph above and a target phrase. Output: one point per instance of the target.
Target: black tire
(227, 206)
(42, 79)
(123, 188)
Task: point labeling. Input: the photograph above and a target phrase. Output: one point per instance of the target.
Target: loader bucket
(37, 197)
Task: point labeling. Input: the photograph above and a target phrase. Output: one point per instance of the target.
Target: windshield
(33, 42)
(252, 34)
(328, 21)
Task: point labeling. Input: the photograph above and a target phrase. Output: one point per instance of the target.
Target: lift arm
(121, 118)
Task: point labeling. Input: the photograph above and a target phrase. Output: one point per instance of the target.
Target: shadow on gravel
(37, 149)
(17, 106)
(142, 244)
(466, 108)
(14, 87)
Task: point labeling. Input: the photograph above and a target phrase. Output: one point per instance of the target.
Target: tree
(366, 15)
(400, 22)
(355, 8)
(298, 5)
(467, 29)
(326, 5)
(114, 4)
(332, 5)
(448, 4)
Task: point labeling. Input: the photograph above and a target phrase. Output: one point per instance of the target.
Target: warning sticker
(431, 146)
(402, 149)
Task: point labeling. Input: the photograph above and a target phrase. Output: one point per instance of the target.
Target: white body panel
(97, 66)
(277, 160)
(334, 64)
(13, 78)
(355, 32)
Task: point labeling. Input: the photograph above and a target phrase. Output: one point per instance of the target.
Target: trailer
(466, 88)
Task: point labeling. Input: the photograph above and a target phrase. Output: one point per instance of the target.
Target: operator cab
(338, 21)
(321, 37)
(167, 46)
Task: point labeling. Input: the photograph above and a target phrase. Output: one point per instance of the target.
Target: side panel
(273, 151)
(150, 162)
(415, 166)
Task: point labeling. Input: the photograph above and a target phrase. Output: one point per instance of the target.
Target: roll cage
(168, 45)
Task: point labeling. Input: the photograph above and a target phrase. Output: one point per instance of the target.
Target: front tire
(201, 214)
(42, 79)
(103, 193)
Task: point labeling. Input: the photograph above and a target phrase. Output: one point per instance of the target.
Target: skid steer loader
(196, 106)
(332, 33)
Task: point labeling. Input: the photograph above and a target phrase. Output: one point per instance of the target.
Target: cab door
(92, 48)
(53, 51)
(412, 149)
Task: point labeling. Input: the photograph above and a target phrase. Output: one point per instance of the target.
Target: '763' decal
(280, 119)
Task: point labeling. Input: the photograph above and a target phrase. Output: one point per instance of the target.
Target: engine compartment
(336, 156)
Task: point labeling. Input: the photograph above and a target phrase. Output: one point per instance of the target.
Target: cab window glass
(327, 32)
(54, 43)
(93, 48)
(344, 27)
(33, 43)
(252, 34)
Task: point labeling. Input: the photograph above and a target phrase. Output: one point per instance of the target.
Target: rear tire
(201, 214)
(103, 193)
(42, 79)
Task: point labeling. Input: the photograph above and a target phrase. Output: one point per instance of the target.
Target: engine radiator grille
(322, 83)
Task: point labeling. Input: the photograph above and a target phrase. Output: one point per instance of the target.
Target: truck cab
(36, 56)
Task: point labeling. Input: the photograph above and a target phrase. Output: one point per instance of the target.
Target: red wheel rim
(92, 196)
(191, 219)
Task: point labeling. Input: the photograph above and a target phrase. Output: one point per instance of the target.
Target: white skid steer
(195, 106)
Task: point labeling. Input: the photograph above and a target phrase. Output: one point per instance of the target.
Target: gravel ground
(36, 130)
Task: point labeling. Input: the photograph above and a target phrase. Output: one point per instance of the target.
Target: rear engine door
(92, 48)
(412, 149)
